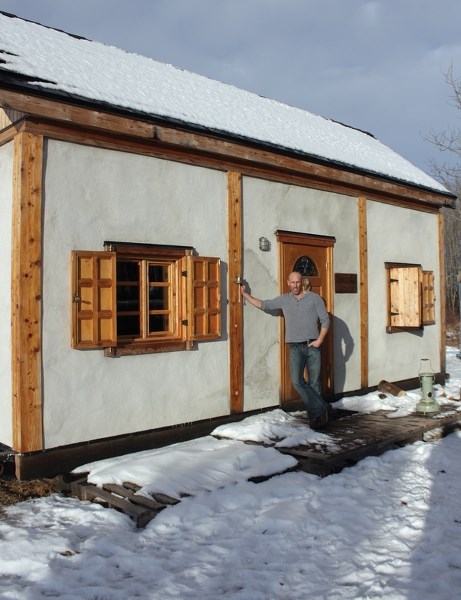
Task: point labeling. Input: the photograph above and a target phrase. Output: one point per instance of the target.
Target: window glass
(158, 323)
(127, 325)
(306, 266)
(159, 285)
(128, 298)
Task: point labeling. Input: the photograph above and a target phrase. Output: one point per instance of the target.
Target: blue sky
(376, 65)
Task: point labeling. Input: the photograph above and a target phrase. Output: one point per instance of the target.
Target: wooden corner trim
(442, 293)
(363, 289)
(27, 293)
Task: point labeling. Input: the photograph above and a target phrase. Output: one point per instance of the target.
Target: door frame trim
(299, 237)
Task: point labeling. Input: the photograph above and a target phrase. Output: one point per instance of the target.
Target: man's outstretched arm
(251, 299)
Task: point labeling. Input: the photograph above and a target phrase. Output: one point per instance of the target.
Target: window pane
(158, 273)
(128, 325)
(158, 323)
(127, 271)
(127, 286)
(158, 298)
(128, 298)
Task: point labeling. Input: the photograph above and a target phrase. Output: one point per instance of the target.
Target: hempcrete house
(134, 197)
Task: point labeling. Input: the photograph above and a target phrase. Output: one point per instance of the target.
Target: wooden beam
(244, 156)
(74, 114)
(363, 265)
(26, 293)
(257, 165)
(234, 220)
(442, 294)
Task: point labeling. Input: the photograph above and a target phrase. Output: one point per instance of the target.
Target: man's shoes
(321, 421)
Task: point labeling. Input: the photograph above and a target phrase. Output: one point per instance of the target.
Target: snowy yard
(389, 527)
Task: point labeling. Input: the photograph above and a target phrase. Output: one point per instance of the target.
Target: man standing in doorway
(303, 311)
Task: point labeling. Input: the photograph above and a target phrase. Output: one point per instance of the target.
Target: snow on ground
(389, 527)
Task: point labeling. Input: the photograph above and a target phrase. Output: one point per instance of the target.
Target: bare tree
(452, 221)
(450, 175)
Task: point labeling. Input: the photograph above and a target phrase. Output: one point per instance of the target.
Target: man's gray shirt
(302, 317)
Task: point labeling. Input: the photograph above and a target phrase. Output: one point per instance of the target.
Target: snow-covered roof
(56, 62)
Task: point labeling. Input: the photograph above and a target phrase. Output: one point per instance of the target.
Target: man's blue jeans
(304, 357)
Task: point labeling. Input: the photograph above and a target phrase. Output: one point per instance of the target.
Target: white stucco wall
(92, 195)
(6, 189)
(407, 236)
(270, 206)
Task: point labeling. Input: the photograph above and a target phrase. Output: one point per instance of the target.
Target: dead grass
(453, 329)
(13, 491)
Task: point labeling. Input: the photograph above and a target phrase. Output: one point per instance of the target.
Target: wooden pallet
(121, 497)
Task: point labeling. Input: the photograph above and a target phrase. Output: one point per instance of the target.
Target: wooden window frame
(411, 297)
(428, 297)
(194, 305)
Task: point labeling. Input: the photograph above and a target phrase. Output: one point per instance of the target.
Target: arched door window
(306, 266)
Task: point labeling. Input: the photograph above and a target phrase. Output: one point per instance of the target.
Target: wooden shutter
(428, 298)
(94, 306)
(405, 296)
(203, 297)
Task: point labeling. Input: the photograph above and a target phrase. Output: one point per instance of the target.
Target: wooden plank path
(353, 436)
(358, 435)
(140, 509)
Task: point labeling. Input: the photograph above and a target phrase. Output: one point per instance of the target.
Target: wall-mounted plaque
(346, 283)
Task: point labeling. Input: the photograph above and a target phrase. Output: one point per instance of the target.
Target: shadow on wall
(344, 346)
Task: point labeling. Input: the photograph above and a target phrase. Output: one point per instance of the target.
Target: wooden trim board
(234, 224)
(363, 290)
(27, 293)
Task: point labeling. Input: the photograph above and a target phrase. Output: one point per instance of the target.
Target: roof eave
(18, 82)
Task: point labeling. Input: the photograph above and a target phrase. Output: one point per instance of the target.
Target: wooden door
(312, 257)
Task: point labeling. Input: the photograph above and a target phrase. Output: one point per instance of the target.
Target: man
(303, 311)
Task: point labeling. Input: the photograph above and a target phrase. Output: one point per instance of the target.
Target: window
(133, 298)
(411, 297)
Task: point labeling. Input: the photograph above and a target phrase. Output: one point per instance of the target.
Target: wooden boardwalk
(358, 435)
(121, 497)
(354, 435)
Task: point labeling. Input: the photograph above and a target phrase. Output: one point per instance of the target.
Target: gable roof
(52, 62)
